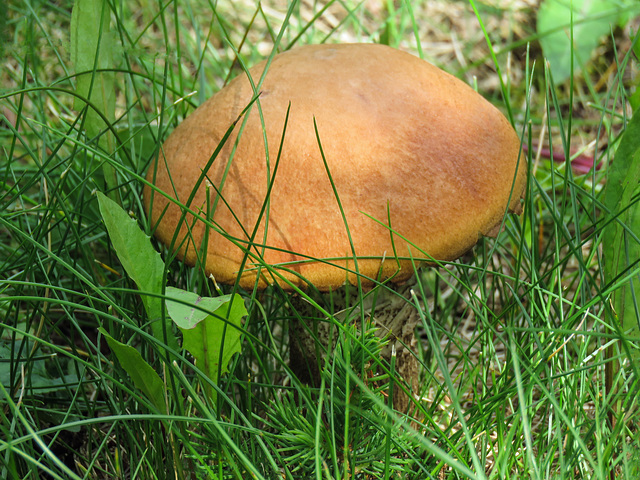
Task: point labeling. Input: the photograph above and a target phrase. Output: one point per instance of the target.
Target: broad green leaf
(211, 327)
(190, 309)
(621, 244)
(139, 259)
(94, 47)
(634, 99)
(592, 20)
(143, 375)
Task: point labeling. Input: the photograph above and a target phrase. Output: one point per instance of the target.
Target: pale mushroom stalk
(408, 146)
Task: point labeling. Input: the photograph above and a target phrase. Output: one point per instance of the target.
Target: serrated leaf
(211, 328)
(591, 23)
(621, 237)
(144, 377)
(139, 259)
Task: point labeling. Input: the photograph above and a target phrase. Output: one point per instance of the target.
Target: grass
(516, 336)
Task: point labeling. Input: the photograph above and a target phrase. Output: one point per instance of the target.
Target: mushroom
(374, 157)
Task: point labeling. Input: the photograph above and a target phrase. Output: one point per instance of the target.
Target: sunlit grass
(514, 335)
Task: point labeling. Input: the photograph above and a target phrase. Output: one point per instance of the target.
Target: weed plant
(526, 372)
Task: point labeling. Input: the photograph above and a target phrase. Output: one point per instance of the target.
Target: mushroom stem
(395, 316)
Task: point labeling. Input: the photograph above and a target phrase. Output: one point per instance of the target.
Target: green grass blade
(621, 244)
(93, 48)
(93, 53)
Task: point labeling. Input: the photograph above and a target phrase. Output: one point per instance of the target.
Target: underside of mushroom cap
(370, 151)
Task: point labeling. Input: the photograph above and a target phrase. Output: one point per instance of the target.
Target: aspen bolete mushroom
(421, 164)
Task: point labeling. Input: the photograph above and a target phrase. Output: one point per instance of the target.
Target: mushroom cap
(421, 164)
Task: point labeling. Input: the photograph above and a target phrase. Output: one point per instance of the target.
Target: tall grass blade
(93, 52)
(621, 237)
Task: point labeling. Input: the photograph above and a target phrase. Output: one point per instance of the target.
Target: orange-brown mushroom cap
(412, 153)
